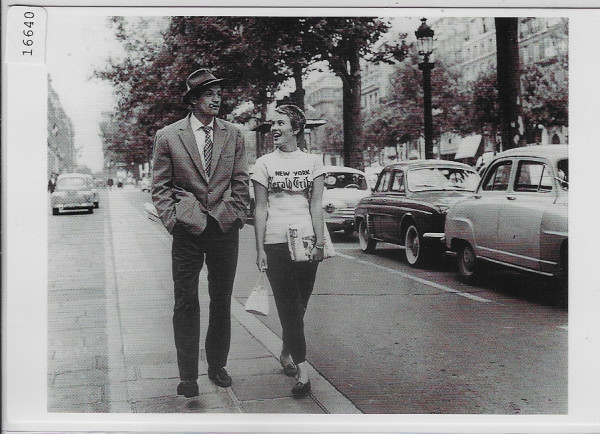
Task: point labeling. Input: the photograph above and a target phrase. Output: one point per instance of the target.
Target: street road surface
(391, 338)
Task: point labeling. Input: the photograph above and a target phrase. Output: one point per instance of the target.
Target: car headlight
(329, 208)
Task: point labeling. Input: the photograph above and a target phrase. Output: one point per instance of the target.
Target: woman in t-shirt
(288, 188)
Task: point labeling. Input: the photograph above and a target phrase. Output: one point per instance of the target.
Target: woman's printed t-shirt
(288, 177)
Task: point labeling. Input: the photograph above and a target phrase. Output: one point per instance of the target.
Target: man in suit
(200, 190)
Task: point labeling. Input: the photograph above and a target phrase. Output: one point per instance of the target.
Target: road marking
(418, 279)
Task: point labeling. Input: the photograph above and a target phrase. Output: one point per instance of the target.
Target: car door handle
(511, 197)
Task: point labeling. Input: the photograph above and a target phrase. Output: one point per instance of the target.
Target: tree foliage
(255, 54)
(399, 118)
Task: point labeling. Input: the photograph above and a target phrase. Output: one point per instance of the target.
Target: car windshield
(70, 184)
(442, 178)
(345, 180)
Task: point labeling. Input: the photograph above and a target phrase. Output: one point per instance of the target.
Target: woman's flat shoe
(288, 368)
(301, 389)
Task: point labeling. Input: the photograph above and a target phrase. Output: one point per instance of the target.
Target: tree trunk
(507, 45)
(261, 142)
(353, 141)
(298, 97)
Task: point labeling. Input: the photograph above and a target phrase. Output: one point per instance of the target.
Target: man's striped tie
(208, 146)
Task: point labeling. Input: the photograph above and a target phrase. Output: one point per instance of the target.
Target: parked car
(73, 192)
(409, 203)
(95, 195)
(518, 216)
(344, 188)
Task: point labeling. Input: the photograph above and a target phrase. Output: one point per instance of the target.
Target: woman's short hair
(296, 115)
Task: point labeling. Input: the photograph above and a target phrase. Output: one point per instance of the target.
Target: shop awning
(468, 147)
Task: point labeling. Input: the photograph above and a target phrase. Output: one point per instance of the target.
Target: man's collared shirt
(200, 136)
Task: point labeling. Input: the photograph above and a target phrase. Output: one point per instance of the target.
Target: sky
(75, 48)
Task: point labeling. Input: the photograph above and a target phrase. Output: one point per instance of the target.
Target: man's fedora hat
(198, 80)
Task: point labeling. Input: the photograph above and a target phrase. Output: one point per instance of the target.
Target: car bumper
(67, 206)
(337, 222)
(435, 236)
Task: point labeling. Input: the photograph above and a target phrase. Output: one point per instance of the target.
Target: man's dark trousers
(220, 251)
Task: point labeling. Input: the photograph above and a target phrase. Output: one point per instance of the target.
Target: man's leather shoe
(301, 389)
(220, 377)
(188, 388)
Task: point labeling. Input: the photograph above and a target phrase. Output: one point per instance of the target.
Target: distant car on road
(145, 184)
(344, 188)
(409, 203)
(518, 216)
(73, 192)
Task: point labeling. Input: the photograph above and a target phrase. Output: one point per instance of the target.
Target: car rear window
(70, 183)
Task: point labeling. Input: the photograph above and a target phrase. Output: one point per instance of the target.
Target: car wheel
(467, 261)
(414, 249)
(367, 244)
(96, 204)
(55, 211)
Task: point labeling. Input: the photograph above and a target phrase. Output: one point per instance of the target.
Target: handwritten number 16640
(28, 32)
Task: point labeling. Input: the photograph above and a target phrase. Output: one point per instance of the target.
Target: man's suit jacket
(181, 191)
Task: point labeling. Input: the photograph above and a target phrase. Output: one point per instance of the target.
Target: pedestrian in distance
(200, 191)
(52, 183)
(288, 188)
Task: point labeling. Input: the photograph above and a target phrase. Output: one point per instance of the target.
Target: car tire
(414, 247)
(367, 244)
(55, 211)
(466, 261)
(96, 204)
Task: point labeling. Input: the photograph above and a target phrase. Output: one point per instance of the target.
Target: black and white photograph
(273, 219)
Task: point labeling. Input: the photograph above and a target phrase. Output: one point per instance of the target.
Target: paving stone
(76, 395)
(56, 366)
(251, 367)
(204, 403)
(251, 349)
(151, 359)
(90, 377)
(65, 407)
(144, 389)
(262, 387)
(284, 405)
(165, 370)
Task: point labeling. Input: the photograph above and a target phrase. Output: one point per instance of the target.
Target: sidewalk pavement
(131, 367)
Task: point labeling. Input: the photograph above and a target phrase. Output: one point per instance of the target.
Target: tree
(399, 119)
(507, 46)
(546, 93)
(342, 41)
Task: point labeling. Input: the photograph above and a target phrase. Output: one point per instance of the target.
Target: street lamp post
(424, 36)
